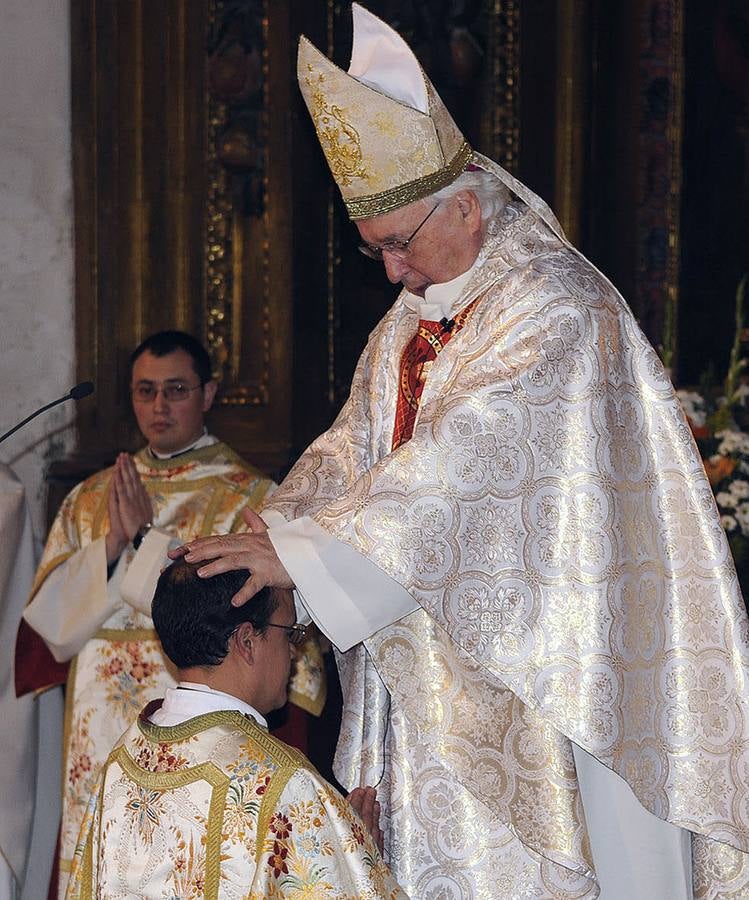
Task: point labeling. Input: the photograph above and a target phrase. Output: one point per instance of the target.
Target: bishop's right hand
(229, 552)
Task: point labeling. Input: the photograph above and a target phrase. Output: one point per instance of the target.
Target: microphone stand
(80, 390)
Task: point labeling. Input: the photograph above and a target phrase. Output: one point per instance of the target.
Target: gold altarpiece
(202, 201)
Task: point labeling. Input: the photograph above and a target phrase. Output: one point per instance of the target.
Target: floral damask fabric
(122, 666)
(552, 517)
(217, 808)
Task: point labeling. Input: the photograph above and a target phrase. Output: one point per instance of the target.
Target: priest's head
(245, 651)
(172, 389)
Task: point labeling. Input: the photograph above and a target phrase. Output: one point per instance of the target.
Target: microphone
(77, 393)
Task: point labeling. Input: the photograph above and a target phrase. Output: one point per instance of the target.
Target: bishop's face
(446, 246)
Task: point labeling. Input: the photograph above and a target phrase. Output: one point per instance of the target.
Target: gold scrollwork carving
(227, 288)
(501, 126)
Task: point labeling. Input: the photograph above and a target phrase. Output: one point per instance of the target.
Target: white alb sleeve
(75, 601)
(348, 597)
(139, 583)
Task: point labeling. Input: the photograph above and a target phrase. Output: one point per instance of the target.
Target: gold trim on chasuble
(87, 869)
(198, 455)
(214, 504)
(169, 781)
(122, 635)
(101, 514)
(66, 723)
(286, 759)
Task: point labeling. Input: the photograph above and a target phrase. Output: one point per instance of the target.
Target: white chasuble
(552, 519)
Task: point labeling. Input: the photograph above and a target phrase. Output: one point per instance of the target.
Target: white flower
(728, 523)
(726, 500)
(742, 517)
(739, 488)
(732, 442)
(693, 405)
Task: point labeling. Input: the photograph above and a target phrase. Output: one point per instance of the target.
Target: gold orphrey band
(403, 194)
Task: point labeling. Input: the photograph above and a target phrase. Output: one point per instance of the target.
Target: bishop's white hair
(492, 195)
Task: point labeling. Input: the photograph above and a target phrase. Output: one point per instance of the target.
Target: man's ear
(244, 639)
(470, 209)
(209, 394)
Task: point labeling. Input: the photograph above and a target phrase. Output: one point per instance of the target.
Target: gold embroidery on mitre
(339, 139)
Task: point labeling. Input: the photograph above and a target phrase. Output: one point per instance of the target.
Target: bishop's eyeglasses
(399, 249)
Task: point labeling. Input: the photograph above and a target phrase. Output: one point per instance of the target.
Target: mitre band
(401, 195)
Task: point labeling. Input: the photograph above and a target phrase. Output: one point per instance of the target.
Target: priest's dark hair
(164, 342)
(194, 617)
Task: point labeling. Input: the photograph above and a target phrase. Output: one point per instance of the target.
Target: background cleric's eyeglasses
(173, 391)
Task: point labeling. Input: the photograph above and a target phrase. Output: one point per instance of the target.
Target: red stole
(420, 352)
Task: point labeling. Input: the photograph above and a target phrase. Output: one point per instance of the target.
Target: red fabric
(430, 339)
(54, 875)
(291, 725)
(35, 667)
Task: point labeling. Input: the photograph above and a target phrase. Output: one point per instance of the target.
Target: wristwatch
(141, 533)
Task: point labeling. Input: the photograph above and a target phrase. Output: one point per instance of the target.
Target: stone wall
(36, 239)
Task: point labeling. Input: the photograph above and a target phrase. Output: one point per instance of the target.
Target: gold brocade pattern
(403, 194)
(218, 808)
(340, 140)
(552, 517)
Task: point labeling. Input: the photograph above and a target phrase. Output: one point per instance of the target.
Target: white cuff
(272, 517)
(348, 597)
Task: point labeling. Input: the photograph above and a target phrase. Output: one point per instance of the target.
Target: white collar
(440, 299)
(190, 699)
(205, 440)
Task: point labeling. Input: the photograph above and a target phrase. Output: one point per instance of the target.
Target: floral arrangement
(718, 417)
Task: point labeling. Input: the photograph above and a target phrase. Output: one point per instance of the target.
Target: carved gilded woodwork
(164, 235)
(203, 203)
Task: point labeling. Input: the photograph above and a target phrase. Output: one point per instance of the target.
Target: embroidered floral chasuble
(122, 666)
(218, 808)
(551, 515)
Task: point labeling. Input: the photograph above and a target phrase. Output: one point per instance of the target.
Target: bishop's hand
(228, 552)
